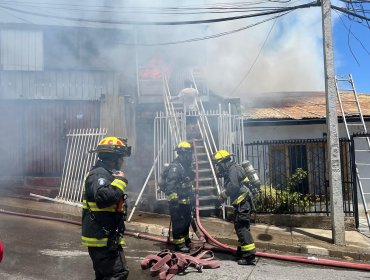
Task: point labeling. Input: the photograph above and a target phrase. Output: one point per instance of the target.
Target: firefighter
(236, 186)
(104, 210)
(179, 192)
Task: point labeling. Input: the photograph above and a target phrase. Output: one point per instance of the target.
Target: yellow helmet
(221, 155)
(184, 147)
(113, 145)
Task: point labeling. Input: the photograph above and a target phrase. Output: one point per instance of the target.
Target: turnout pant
(242, 228)
(108, 264)
(181, 220)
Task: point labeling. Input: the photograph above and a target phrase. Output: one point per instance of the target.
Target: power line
(207, 37)
(150, 10)
(354, 36)
(189, 22)
(213, 6)
(256, 58)
(346, 11)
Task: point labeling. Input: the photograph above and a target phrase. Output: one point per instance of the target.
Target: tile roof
(299, 105)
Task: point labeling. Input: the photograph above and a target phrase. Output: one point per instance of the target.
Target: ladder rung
(363, 164)
(345, 89)
(342, 79)
(364, 178)
(355, 124)
(362, 150)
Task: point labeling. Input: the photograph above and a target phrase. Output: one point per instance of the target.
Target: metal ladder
(168, 132)
(350, 106)
(209, 187)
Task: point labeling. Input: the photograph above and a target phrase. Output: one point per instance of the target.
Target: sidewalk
(314, 242)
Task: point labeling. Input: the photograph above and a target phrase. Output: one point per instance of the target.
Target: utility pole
(335, 178)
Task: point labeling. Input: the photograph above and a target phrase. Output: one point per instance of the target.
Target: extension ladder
(350, 106)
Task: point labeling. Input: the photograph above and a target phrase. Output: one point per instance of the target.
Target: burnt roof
(300, 105)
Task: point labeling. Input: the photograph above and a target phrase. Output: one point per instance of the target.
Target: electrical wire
(146, 10)
(346, 11)
(256, 58)
(354, 36)
(213, 6)
(188, 22)
(208, 37)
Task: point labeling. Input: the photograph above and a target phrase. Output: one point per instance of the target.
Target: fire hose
(219, 246)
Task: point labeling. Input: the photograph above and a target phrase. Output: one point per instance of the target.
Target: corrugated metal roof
(300, 105)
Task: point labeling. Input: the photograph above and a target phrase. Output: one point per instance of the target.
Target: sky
(282, 54)
(349, 55)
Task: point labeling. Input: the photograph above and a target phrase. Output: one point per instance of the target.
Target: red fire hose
(270, 255)
(1, 251)
(219, 246)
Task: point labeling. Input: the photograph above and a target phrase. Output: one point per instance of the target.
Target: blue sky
(345, 62)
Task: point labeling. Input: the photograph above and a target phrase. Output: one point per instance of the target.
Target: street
(43, 250)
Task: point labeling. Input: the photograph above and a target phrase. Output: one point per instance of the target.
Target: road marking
(63, 254)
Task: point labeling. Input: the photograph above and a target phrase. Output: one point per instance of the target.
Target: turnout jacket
(235, 183)
(179, 182)
(102, 210)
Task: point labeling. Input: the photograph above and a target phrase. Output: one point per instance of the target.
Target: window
(284, 161)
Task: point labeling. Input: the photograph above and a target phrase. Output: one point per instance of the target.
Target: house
(286, 131)
(63, 69)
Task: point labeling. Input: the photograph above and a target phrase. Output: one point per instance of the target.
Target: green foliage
(278, 200)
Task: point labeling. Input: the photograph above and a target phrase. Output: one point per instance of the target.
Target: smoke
(288, 59)
(283, 54)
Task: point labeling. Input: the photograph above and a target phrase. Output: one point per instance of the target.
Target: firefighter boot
(238, 252)
(182, 248)
(251, 260)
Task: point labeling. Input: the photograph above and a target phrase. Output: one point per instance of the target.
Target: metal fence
(294, 176)
(77, 163)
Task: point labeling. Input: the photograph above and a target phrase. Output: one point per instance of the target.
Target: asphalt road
(43, 250)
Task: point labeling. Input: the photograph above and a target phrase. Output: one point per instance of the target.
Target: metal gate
(77, 162)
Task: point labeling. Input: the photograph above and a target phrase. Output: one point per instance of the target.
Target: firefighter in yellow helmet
(103, 209)
(179, 192)
(236, 186)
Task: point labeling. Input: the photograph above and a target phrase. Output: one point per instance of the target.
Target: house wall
(33, 141)
(21, 50)
(53, 79)
(313, 131)
(287, 132)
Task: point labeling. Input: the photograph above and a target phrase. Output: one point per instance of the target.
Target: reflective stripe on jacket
(234, 183)
(179, 183)
(102, 206)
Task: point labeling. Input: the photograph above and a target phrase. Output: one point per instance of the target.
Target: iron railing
(294, 176)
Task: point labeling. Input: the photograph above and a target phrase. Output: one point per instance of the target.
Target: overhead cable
(188, 22)
(346, 11)
(210, 36)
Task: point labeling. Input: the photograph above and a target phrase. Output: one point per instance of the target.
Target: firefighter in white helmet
(236, 185)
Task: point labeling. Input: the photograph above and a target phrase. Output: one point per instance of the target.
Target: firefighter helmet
(113, 145)
(221, 156)
(185, 152)
(184, 147)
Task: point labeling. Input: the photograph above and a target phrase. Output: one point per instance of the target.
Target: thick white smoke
(291, 59)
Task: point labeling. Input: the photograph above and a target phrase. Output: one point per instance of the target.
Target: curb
(339, 253)
(346, 253)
